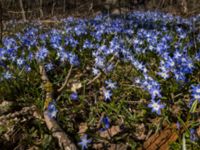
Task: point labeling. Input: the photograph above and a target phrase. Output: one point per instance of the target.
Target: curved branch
(66, 80)
(94, 79)
(63, 140)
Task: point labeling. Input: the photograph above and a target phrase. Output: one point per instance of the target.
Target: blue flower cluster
(132, 39)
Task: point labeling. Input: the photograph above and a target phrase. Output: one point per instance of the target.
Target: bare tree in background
(47, 8)
(22, 10)
(41, 11)
(1, 22)
(53, 7)
(64, 6)
(184, 6)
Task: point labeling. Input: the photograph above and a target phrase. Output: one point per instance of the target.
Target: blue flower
(20, 61)
(63, 55)
(178, 125)
(195, 92)
(95, 71)
(179, 76)
(197, 56)
(55, 40)
(10, 43)
(7, 75)
(84, 142)
(156, 106)
(107, 94)
(99, 62)
(73, 59)
(193, 135)
(52, 110)
(110, 84)
(87, 44)
(106, 123)
(42, 54)
(164, 74)
(48, 66)
(27, 68)
(73, 42)
(155, 92)
(109, 68)
(74, 96)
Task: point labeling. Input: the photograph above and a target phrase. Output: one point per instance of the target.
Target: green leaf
(194, 106)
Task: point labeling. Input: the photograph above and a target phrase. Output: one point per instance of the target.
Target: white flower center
(197, 96)
(156, 106)
(198, 90)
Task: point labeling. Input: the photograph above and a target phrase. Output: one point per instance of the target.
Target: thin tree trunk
(53, 7)
(22, 10)
(1, 22)
(184, 5)
(41, 11)
(64, 6)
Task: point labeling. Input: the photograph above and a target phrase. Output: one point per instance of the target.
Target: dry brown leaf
(76, 86)
(110, 132)
(82, 128)
(98, 146)
(140, 132)
(198, 131)
(162, 139)
(117, 147)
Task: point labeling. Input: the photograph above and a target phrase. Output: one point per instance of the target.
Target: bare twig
(99, 74)
(94, 79)
(53, 7)
(66, 80)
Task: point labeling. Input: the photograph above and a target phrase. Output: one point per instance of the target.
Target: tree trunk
(41, 11)
(184, 5)
(64, 6)
(53, 7)
(1, 22)
(22, 10)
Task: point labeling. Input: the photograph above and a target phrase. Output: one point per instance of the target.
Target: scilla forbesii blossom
(107, 94)
(110, 84)
(156, 106)
(84, 142)
(195, 90)
(52, 110)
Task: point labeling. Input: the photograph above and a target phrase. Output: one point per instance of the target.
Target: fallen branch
(63, 140)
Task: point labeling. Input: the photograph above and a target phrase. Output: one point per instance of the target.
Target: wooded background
(29, 9)
(25, 10)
